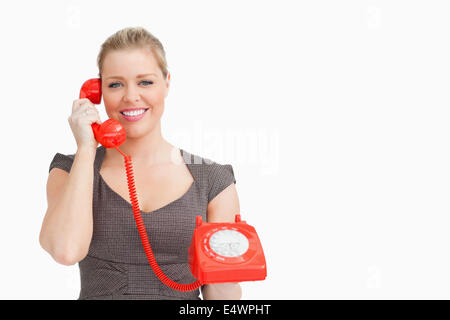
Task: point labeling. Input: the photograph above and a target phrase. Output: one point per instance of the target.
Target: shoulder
(214, 176)
(62, 161)
(211, 168)
(221, 193)
(65, 161)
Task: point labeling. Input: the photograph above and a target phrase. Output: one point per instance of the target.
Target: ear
(167, 85)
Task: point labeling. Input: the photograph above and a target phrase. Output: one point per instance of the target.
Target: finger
(76, 103)
(83, 110)
(91, 112)
(89, 116)
(84, 103)
(88, 112)
(87, 105)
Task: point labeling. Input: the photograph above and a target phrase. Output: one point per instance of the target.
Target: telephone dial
(219, 252)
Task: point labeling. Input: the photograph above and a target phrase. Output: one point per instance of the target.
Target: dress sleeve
(220, 177)
(62, 161)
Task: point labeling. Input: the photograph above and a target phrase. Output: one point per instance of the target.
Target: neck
(151, 149)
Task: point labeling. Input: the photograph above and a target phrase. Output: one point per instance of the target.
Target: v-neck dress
(116, 266)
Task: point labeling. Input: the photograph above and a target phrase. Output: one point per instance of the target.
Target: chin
(138, 131)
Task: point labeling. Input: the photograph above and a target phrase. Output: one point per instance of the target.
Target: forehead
(129, 62)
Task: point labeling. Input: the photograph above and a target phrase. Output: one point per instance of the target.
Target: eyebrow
(138, 76)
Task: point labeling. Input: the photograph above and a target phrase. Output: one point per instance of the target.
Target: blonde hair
(133, 38)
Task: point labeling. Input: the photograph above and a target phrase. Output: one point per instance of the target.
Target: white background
(334, 115)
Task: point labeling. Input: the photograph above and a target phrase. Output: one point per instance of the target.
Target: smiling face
(132, 79)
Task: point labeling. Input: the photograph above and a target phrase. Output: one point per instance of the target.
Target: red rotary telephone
(219, 252)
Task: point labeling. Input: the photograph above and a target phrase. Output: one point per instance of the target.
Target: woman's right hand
(84, 114)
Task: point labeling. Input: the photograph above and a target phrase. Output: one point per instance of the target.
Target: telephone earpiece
(111, 132)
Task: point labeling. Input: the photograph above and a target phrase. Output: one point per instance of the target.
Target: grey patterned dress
(116, 266)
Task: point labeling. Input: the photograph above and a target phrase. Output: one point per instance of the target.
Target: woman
(89, 218)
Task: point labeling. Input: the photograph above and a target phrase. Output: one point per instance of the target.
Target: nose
(131, 95)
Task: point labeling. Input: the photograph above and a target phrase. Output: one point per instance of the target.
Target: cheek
(156, 94)
(111, 103)
(157, 113)
(111, 99)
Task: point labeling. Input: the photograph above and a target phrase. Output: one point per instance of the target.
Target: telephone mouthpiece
(110, 133)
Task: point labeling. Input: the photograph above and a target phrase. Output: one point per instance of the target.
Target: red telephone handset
(110, 133)
(219, 252)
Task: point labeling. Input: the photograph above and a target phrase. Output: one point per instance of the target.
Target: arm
(223, 209)
(67, 228)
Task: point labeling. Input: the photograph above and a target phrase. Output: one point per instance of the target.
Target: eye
(112, 85)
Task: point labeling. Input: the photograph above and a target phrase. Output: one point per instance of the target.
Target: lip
(134, 118)
(132, 109)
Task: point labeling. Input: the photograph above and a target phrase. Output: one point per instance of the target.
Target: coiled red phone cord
(143, 233)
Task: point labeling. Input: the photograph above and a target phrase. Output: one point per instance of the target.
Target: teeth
(133, 113)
